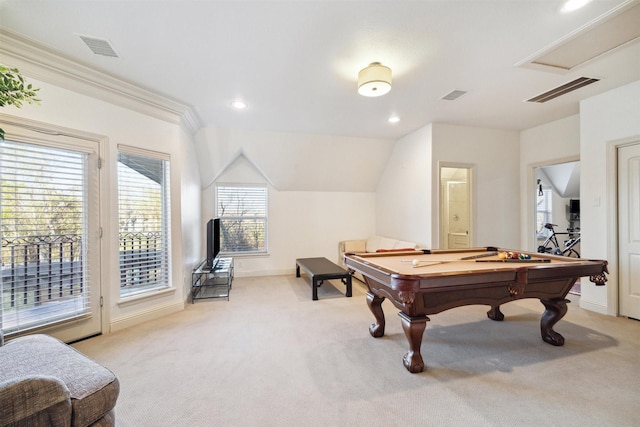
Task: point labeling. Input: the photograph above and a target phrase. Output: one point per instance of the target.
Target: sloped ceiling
(293, 162)
(564, 178)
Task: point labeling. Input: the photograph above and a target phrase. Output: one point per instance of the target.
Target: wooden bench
(321, 269)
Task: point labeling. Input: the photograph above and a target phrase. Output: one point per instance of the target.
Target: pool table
(425, 282)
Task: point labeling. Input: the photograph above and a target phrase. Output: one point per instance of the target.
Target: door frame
(27, 130)
(527, 235)
(471, 167)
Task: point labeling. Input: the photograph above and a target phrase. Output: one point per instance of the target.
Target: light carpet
(273, 357)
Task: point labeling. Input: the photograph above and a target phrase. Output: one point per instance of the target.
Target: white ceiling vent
(618, 28)
(453, 95)
(99, 46)
(564, 89)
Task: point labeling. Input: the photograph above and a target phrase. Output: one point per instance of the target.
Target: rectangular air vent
(453, 95)
(561, 90)
(99, 46)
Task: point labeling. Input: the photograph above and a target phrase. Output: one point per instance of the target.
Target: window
(143, 221)
(243, 218)
(543, 210)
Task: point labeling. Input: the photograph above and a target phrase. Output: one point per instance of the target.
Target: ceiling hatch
(607, 34)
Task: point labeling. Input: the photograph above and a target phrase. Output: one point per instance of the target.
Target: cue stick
(513, 260)
(466, 258)
(479, 256)
(482, 260)
(474, 258)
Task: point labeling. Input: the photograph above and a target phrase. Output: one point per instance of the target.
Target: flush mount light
(375, 80)
(239, 105)
(393, 119)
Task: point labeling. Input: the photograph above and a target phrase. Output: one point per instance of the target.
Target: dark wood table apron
(321, 269)
(440, 285)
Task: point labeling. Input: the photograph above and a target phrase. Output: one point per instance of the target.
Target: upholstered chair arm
(350, 246)
(36, 400)
(353, 246)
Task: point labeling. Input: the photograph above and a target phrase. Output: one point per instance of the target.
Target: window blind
(44, 245)
(243, 218)
(144, 223)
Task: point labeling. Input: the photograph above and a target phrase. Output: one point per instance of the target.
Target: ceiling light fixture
(239, 105)
(393, 119)
(375, 80)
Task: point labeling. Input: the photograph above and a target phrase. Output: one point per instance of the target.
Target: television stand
(212, 282)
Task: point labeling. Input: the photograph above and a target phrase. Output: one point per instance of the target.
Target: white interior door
(629, 229)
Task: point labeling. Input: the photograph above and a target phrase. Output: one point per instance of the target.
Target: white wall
(321, 189)
(551, 143)
(69, 109)
(407, 203)
(494, 155)
(605, 121)
(403, 197)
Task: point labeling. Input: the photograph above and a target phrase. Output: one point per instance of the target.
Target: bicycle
(551, 245)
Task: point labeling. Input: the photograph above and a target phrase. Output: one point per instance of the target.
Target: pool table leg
(414, 329)
(375, 305)
(555, 310)
(495, 314)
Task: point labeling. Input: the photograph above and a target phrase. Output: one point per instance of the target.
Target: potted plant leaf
(14, 90)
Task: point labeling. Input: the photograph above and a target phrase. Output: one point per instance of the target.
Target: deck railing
(43, 269)
(140, 261)
(38, 269)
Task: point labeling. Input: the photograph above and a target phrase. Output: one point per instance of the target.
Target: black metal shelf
(207, 282)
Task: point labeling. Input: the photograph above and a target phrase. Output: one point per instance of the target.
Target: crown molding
(45, 64)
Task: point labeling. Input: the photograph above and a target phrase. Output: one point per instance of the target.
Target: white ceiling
(295, 63)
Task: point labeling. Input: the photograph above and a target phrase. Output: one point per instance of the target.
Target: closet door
(629, 229)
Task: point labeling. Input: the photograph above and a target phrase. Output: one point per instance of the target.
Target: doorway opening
(557, 202)
(455, 207)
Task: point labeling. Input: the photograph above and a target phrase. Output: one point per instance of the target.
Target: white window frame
(261, 217)
(140, 276)
(544, 207)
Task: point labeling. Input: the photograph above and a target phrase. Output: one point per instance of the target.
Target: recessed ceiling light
(572, 5)
(239, 105)
(394, 119)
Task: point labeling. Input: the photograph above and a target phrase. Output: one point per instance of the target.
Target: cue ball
(415, 262)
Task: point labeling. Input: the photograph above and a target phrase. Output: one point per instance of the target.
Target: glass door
(49, 225)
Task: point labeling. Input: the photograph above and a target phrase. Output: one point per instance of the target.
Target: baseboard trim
(598, 308)
(286, 272)
(144, 316)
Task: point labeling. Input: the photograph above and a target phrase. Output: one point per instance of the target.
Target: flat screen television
(213, 241)
(574, 207)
